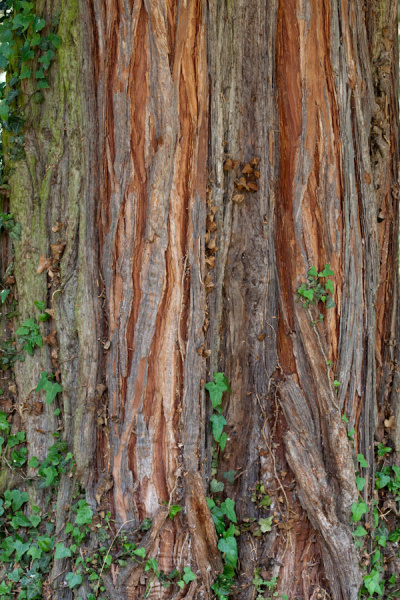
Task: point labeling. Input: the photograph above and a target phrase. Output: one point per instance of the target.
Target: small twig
(108, 552)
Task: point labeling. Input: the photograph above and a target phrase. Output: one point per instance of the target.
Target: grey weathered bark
(148, 101)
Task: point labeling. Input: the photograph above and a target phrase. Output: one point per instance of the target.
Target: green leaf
(217, 388)
(217, 423)
(229, 509)
(34, 463)
(394, 536)
(5, 34)
(140, 552)
(22, 21)
(228, 547)
(19, 520)
(309, 294)
(4, 111)
(360, 532)
(358, 509)
(38, 24)
(35, 39)
(45, 543)
(371, 582)
(62, 552)
(229, 476)
(362, 461)
(216, 486)
(35, 520)
(146, 524)
(42, 381)
(40, 304)
(16, 498)
(222, 440)
(313, 272)
(381, 480)
(382, 541)
(329, 286)
(360, 483)
(327, 272)
(3, 295)
(73, 579)
(330, 303)
(188, 575)
(382, 450)
(336, 383)
(43, 85)
(174, 511)
(52, 389)
(265, 524)
(84, 514)
(181, 584)
(55, 40)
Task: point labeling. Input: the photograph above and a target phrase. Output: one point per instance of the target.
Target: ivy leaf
(16, 498)
(216, 388)
(228, 547)
(330, 303)
(371, 582)
(140, 552)
(360, 483)
(362, 461)
(62, 552)
(38, 24)
(216, 486)
(309, 294)
(45, 543)
(360, 532)
(35, 39)
(174, 511)
(4, 111)
(217, 423)
(52, 389)
(35, 520)
(381, 480)
(229, 509)
(382, 450)
(84, 514)
(188, 575)
(43, 85)
(20, 549)
(313, 272)
(229, 476)
(34, 463)
(358, 509)
(22, 21)
(55, 40)
(73, 579)
(5, 34)
(265, 524)
(329, 286)
(327, 272)
(222, 440)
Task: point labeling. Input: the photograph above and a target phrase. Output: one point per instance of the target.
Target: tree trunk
(202, 158)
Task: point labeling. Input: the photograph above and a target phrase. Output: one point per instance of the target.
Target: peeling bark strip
(150, 99)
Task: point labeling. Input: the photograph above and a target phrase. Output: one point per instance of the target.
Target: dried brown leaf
(44, 264)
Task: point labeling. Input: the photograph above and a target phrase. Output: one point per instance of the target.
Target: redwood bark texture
(167, 278)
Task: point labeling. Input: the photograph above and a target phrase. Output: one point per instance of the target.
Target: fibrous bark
(148, 102)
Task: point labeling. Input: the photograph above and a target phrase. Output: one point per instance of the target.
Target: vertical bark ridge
(153, 97)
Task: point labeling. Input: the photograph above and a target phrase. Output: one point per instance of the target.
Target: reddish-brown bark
(165, 279)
